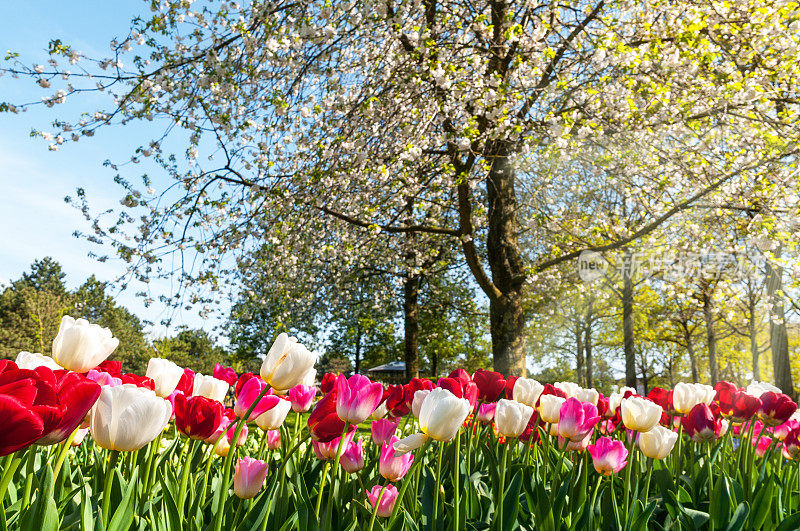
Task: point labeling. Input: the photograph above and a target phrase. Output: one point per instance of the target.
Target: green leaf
(87, 514)
(641, 521)
(720, 506)
(43, 513)
(511, 501)
(763, 502)
(791, 523)
(123, 515)
(740, 517)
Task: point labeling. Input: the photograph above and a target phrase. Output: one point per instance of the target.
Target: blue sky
(36, 220)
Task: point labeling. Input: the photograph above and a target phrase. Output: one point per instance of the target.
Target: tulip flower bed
(86, 446)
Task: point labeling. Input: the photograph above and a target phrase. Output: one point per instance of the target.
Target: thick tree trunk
(579, 352)
(779, 339)
(711, 334)
(506, 315)
(627, 323)
(411, 324)
(687, 336)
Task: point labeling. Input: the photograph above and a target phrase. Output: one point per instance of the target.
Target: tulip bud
(80, 346)
(549, 407)
(701, 425)
(387, 496)
(391, 466)
(103, 378)
(608, 455)
(486, 412)
(287, 363)
(527, 391)
(127, 417)
(409, 444)
(511, 417)
(791, 445)
(571, 389)
(490, 384)
(590, 396)
(326, 451)
(79, 436)
(639, 414)
(352, 458)
(658, 442)
(210, 387)
(165, 376)
(301, 397)
(762, 445)
(249, 477)
(382, 430)
(273, 439)
(273, 418)
(248, 393)
(776, 408)
(419, 398)
(442, 414)
(31, 360)
(197, 417)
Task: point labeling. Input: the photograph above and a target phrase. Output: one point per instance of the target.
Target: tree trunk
(506, 315)
(690, 350)
(434, 364)
(751, 329)
(711, 334)
(587, 348)
(627, 322)
(579, 352)
(411, 324)
(779, 339)
(358, 348)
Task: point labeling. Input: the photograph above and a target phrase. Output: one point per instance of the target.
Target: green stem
(296, 425)
(594, 498)
(334, 477)
(112, 462)
(614, 502)
(438, 484)
(501, 487)
(209, 460)
(710, 484)
(226, 467)
(29, 469)
(456, 484)
(650, 463)
(631, 457)
(322, 487)
(418, 458)
(66, 445)
(187, 464)
(375, 508)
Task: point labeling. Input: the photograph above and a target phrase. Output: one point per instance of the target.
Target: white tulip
(416, 403)
(588, 395)
(287, 363)
(511, 417)
(442, 414)
(571, 389)
(126, 417)
(687, 395)
(210, 387)
(165, 375)
(639, 414)
(273, 418)
(409, 444)
(527, 391)
(550, 408)
(379, 412)
(31, 360)
(80, 346)
(658, 442)
(757, 389)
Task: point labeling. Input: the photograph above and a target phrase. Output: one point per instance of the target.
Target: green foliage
(195, 349)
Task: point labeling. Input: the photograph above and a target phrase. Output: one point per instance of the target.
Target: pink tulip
(356, 398)
(608, 456)
(103, 378)
(762, 446)
(249, 477)
(577, 419)
(249, 392)
(388, 499)
(327, 450)
(391, 467)
(486, 412)
(273, 439)
(352, 458)
(575, 446)
(382, 430)
(302, 396)
(226, 374)
(782, 430)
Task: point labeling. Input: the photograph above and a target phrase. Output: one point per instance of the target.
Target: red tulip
(186, 383)
(461, 388)
(509, 391)
(418, 384)
(76, 395)
(138, 381)
(776, 408)
(323, 423)
(197, 417)
(531, 432)
(791, 445)
(328, 383)
(398, 402)
(550, 389)
(112, 367)
(241, 381)
(736, 404)
(490, 385)
(663, 398)
(226, 374)
(701, 425)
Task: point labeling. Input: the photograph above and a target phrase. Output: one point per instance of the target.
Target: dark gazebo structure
(393, 372)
